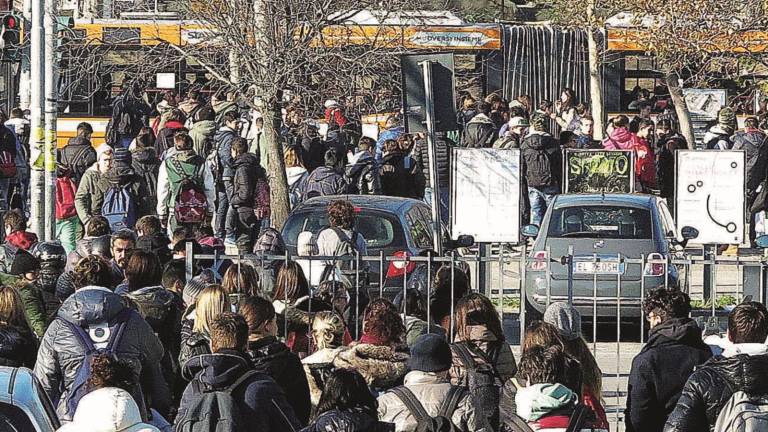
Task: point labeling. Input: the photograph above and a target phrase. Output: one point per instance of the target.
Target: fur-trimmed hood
(381, 366)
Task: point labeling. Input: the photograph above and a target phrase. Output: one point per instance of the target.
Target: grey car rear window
(612, 222)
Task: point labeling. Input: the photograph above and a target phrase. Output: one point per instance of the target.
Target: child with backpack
(428, 401)
(185, 188)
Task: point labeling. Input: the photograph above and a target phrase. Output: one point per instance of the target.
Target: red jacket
(22, 239)
(338, 116)
(645, 166)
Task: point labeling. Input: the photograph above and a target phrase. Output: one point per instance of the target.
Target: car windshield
(613, 222)
(379, 230)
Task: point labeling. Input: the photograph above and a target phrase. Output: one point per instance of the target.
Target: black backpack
(484, 382)
(426, 423)
(214, 410)
(75, 168)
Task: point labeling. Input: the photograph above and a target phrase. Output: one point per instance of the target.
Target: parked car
(392, 226)
(24, 405)
(603, 230)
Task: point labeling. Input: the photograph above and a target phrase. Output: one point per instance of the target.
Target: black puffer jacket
(61, 353)
(147, 165)
(442, 150)
(660, 371)
(18, 347)
(353, 420)
(755, 145)
(396, 179)
(542, 161)
(479, 132)
(246, 172)
(273, 358)
(710, 387)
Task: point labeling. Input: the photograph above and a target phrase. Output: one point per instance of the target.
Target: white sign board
(485, 195)
(710, 195)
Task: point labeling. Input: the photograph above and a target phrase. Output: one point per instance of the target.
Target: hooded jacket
(75, 158)
(718, 138)
(22, 239)
(363, 175)
(547, 407)
(165, 207)
(479, 132)
(61, 353)
(273, 358)
(381, 366)
(202, 133)
(246, 172)
(659, 372)
(421, 157)
(84, 195)
(710, 387)
(431, 390)
(325, 181)
(123, 176)
(755, 144)
(260, 401)
(108, 409)
(162, 310)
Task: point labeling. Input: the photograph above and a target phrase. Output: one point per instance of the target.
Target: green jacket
(84, 196)
(200, 132)
(34, 306)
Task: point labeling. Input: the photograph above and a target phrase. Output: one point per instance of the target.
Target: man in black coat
(741, 367)
(260, 400)
(664, 364)
(244, 198)
(755, 145)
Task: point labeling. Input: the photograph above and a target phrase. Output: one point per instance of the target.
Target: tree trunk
(681, 108)
(275, 166)
(595, 86)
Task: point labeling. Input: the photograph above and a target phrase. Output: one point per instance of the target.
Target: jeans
(445, 196)
(540, 199)
(222, 208)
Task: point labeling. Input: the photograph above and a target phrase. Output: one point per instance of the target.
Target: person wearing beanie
(720, 136)
(427, 383)
(566, 318)
(542, 167)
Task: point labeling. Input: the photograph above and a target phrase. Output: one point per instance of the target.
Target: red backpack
(65, 198)
(7, 164)
(190, 204)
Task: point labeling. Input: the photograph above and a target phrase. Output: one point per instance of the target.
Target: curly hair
(93, 270)
(108, 371)
(667, 303)
(381, 320)
(341, 214)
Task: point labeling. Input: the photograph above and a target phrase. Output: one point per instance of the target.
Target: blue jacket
(223, 140)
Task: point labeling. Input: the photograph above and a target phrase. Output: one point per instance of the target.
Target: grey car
(24, 406)
(603, 231)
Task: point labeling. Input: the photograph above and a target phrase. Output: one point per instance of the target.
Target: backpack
(190, 204)
(743, 413)
(483, 382)
(119, 207)
(76, 167)
(424, 422)
(7, 164)
(66, 189)
(214, 410)
(538, 167)
(102, 338)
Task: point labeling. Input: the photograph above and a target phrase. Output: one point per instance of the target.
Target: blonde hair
(328, 330)
(291, 158)
(211, 303)
(12, 309)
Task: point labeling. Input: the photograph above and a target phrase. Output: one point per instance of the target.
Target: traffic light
(9, 37)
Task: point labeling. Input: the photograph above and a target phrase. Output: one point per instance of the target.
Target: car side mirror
(762, 241)
(689, 233)
(530, 231)
(464, 241)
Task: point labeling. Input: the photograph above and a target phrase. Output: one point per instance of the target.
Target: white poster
(710, 195)
(485, 195)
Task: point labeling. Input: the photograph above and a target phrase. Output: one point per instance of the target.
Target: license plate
(598, 267)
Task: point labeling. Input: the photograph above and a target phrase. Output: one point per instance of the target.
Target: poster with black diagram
(599, 171)
(710, 195)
